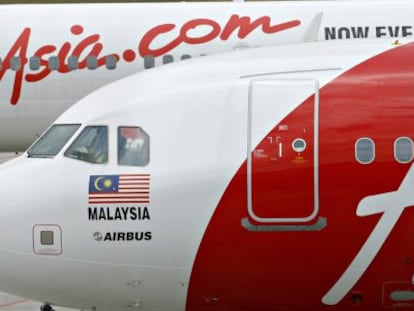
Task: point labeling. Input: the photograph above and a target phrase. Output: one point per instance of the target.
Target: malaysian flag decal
(119, 189)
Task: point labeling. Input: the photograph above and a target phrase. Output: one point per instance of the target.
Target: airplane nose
(30, 224)
(16, 191)
(48, 246)
(17, 205)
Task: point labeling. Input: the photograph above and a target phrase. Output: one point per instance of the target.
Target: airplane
(276, 178)
(51, 55)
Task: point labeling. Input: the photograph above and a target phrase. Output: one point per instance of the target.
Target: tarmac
(13, 303)
(4, 156)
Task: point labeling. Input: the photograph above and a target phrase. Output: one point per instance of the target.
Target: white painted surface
(13, 303)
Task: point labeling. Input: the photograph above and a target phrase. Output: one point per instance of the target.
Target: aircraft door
(282, 146)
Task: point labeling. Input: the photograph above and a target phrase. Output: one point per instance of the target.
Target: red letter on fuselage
(246, 26)
(19, 48)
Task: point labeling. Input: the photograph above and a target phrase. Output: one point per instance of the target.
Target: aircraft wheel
(46, 308)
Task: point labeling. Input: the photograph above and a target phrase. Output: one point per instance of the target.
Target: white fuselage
(145, 256)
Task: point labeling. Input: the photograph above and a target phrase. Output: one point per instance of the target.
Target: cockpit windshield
(52, 141)
(133, 146)
(90, 146)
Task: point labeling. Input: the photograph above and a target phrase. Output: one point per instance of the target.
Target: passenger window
(110, 62)
(365, 150)
(149, 61)
(133, 146)
(403, 150)
(185, 56)
(92, 62)
(52, 141)
(73, 62)
(34, 63)
(16, 63)
(53, 63)
(90, 146)
(167, 59)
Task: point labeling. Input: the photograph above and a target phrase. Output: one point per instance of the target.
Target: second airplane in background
(52, 55)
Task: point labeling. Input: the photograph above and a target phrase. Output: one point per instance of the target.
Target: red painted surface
(240, 270)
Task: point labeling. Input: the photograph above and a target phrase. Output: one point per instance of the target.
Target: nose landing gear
(46, 307)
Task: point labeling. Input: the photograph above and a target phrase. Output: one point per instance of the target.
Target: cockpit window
(133, 146)
(52, 141)
(90, 146)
